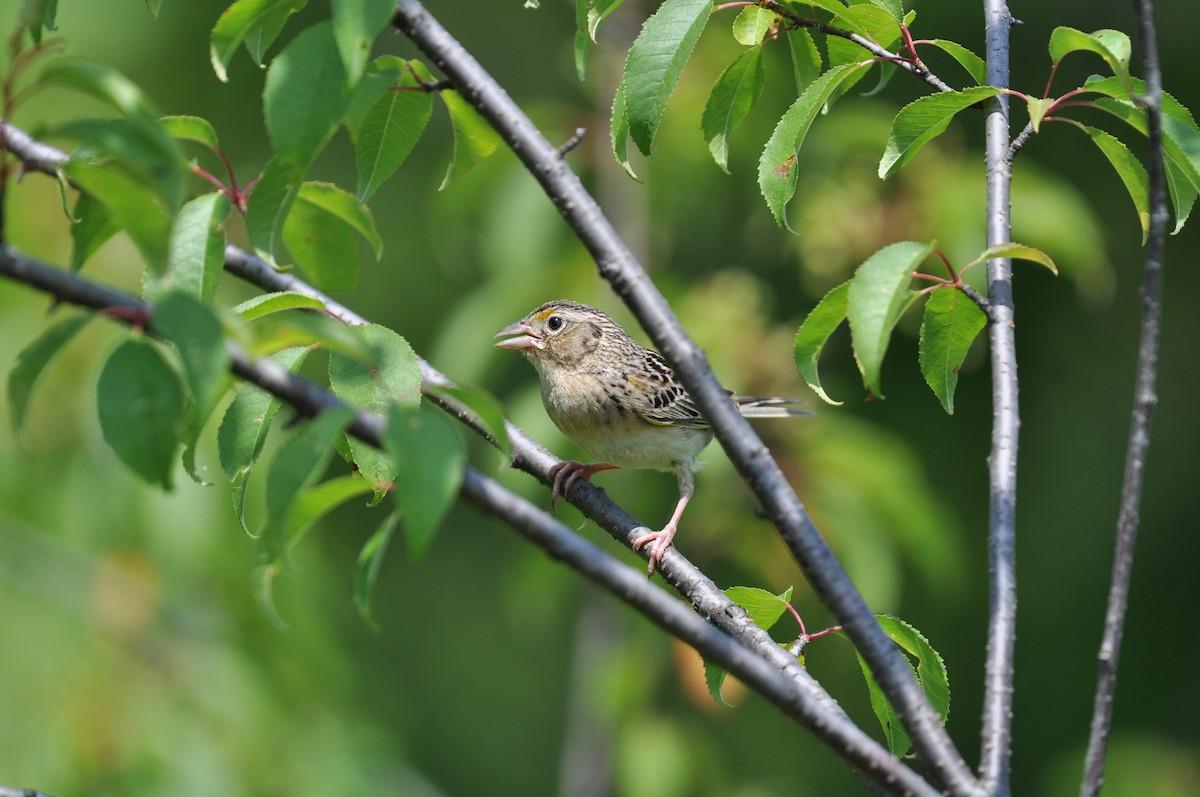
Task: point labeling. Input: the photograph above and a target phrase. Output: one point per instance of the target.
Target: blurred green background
(136, 661)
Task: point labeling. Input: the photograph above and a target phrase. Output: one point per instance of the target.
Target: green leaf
(244, 427)
(314, 503)
(152, 6)
(255, 23)
(273, 197)
(193, 328)
(131, 207)
(952, 321)
(278, 331)
(814, 333)
(894, 734)
(583, 48)
(655, 62)
(370, 560)
(878, 295)
(267, 303)
(305, 95)
(474, 138)
(137, 147)
(752, 24)
(429, 457)
(1020, 252)
(734, 93)
(714, 678)
(38, 14)
(196, 253)
(619, 132)
(777, 173)
(356, 23)
(1037, 110)
(763, 607)
(300, 460)
(598, 11)
(931, 669)
(1133, 175)
(31, 365)
(922, 120)
(872, 23)
(92, 226)
(1111, 45)
(191, 128)
(806, 58)
(141, 407)
(387, 131)
(319, 232)
(968, 60)
(393, 377)
(100, 82)
(485, 407)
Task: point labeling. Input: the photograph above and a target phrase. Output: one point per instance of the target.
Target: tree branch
(753, 461)
(1144, 399)
(628, 584)
(996, 733)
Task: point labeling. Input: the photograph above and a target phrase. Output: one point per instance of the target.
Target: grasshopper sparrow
(618, 401)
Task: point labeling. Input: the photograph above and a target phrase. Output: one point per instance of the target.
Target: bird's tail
(758, 407)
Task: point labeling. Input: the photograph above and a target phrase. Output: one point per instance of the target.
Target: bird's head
(567, 334)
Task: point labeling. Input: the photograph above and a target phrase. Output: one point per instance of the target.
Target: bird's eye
(555, 323)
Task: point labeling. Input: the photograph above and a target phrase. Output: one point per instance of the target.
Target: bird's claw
(564, 474)
(662, 541)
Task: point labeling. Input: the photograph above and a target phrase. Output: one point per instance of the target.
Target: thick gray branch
(754, 462)
(760, 673)
(1144, 399)
(996, 734)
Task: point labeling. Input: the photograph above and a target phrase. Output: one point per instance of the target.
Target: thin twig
(628, 584)
(1144, 400)
(996, 733)
(754, 462)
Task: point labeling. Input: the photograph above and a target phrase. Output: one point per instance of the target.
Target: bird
(620, 402)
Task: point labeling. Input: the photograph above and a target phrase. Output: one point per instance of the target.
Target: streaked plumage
(618, 401)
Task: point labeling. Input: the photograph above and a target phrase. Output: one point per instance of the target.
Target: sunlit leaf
(389, 127)
(429, 457)
(619, 132)
(137, 147)
(196, 253)
(273, 197)
(267, 303)
(319, 232)
(762, 607)
(92, 226)
(735, 92)
(32, 363)
(656, 61)
(968, 60)
(878, 295)
(951, 323)
(1020, 252)
(1111, 45)
(924, 119)
(1133, 175)
(814, 333)
(356, 23)
(141, 407)
(806, 58)
(101, 82)
(191, 128)
(1037, 108)
(254, 23)
(130, 205)
(752, 24)
(305, 97)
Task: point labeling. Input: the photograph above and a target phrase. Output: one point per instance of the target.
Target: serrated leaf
(874, 24)
(38, 14)
(370, 560)
(655, 62)
(894, 734)
(814, 333)
(762, 607)
(31, 365)
(714, 679)
(356, 23)
(196, 251)
(1020, 252)
(254, 23)
(270, 203)
(429, 457)
(92, 226)
(732, 97)
(141, 406)
(598, 11)
(777, 167)
(485, 407)
(267, 303)
(137, 147)
(1133, 175)
(968, 60)
(319, 232)
(1111, 45)
(474, 138)
(583, 48)
(878, 295)
(305, 97)
(387, 130)
(278, 331)
(931, 668)
(392, 378)
(806, 58)
(244, 427)
(191, 128)
(924, 119)
(131, 206)
(951, 323)
(752, 24)
(1037, 110)
(619, 132)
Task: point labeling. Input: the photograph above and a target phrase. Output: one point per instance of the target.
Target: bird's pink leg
(662, 539)
(566, 472)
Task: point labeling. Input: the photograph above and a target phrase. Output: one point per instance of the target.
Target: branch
(753, 461)
(1144, 399)
(628, 584)
(8, 791)
(996, 733)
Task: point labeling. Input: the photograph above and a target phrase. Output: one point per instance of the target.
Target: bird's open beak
(525, 338)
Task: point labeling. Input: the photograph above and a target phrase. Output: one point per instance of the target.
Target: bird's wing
(662, 400)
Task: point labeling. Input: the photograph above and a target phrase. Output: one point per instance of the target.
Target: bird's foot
(662, 541)
(565, 474)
